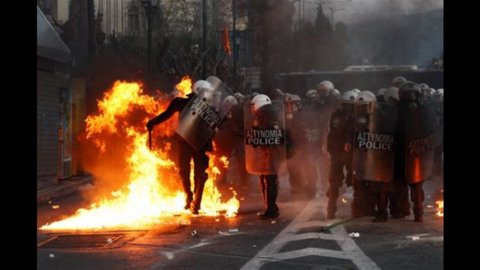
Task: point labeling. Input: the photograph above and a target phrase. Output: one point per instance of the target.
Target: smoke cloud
(355, 11)
(365, 10)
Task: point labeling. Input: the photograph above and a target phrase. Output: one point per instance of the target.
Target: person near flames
(186, 152)
(261, 109)
(339, 143)
(229, 141)
(414, 152)
(398, 195)
(339, 146)
(373, 158)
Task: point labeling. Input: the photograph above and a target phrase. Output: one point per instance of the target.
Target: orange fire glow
(149, 194)
(439, 208)
(184, 87)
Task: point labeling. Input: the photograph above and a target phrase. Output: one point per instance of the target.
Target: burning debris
(152, 189)
(439, 212)
(439, 203)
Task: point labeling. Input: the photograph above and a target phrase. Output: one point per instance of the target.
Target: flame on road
(439, 208)
(152, 189)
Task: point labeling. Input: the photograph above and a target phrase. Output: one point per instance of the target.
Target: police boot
(418, 212)
(382, 214)
(199, 185)
(271, 194)
(188, 193)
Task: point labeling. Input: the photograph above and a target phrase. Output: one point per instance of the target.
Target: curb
(63, 188)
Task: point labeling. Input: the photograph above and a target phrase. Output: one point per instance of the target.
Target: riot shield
(374, 138)
(203, 114)
(265, 141)
(419, 142)
(304, 133)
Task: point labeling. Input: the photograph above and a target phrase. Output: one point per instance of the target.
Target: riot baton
(150, 139)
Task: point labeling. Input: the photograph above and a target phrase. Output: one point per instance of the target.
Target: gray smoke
(366, 10)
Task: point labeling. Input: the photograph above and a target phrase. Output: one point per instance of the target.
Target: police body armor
(265, 141)
(374, 138)
(204, 113)
(419, 131)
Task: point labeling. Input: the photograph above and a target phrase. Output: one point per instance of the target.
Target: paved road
(300, 238)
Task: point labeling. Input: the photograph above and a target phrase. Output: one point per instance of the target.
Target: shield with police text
(265, 138)
(203, 114)
(419, 128)
(374, 138)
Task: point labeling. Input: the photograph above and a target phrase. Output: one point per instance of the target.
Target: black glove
(150, 125)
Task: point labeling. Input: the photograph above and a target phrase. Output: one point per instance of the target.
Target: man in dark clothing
(339, 142)
(186, 152)
(375, 127)
(264, 153)
(414, 153)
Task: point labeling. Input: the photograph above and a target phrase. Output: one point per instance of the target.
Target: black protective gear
(200, 161)
(417, 197)
(269, 184)
(185, 154)
(150, 125)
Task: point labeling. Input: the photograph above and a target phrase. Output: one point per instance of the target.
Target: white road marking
(169, 255)
(350, 250)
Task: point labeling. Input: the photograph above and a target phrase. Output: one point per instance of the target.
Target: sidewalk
(63, 188)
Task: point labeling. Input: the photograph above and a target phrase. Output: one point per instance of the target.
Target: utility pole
(204, 39)
(234, 14)
(331, 15)
(149, 12)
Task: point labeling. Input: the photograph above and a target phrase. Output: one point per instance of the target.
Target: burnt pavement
(300, 238)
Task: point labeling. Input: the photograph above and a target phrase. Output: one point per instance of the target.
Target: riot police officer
(380, 97)
(339, 142)
(265, 147)
(193, 133)
(373, 152)
(415, 148)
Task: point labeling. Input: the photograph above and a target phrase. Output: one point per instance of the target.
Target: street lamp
(150, 10)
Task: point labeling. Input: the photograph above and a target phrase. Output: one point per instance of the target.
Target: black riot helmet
(410, 92)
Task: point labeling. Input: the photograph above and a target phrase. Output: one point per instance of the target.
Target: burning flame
(439, 212)
(149, 195)
(184, 87)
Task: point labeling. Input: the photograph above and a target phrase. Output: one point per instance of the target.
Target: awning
(49, 43)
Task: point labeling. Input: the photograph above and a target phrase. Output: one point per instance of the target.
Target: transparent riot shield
(419, 143)
(265, 139)
(203, 114)
(374, 138)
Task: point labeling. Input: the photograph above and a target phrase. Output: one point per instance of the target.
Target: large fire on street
(152, 190)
